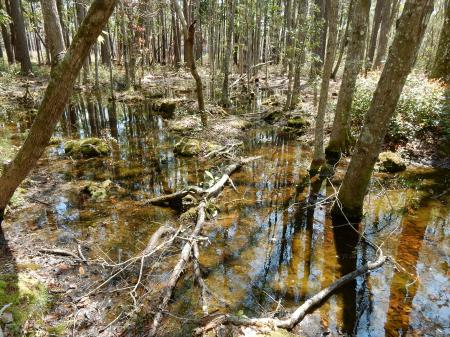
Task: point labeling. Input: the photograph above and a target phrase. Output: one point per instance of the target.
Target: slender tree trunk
(319, 151)
(53, 30)
(226, 61)
(56, 95)
(21, 46)
(340, 138)
(383, 39)
(189, 35)
(61, 13)
(374, 34)
(299, 52)
(441, 66)
(80, 14)
(344, 41)
(401, 58)
(7, 43)
(319, 37)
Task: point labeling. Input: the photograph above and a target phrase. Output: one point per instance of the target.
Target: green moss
(187, 147)
(98, 191)
(59, 329)
(29, 299)
(17, 199)
(297, 122)
(89, 147)
(55, 141)
(390, 162)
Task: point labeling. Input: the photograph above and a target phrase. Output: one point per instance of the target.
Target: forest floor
(55, 284)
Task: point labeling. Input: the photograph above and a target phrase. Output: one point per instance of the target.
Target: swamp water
(273, 239)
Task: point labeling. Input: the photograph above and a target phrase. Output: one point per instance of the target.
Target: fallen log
(175, 198)
(184, 258)
(299, 313)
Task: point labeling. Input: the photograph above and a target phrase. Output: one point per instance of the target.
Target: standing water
(273, 243)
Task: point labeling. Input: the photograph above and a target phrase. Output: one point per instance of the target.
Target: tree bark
(385, 27)
(441, 67)
(53, 30)
(20, 41)
(7, 40)
(344, 41)
(340, 135)
(300, 51)
(226, 61)
(374, 34)
(189, 35)
(58, 91)
(319, 151)
(401, 58)
(319, 38)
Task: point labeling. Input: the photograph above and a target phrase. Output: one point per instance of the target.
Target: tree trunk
(20, 41)
(189, 34)
(300, 51)
(226, 61)
(80, 14)
(374, 34)
(401, 58)
(7, 43)
(383, 39)
(65, 31)
(319, 151)
(56, 95)
(340, 135)
(319, 37)
(53, 30)
(441, 67)
(344, 41)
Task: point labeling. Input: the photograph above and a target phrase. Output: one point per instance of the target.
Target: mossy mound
(28, 297)
(98, 191)
(297, 122)
(55, 141)
(239, 123)
(184, 125)
(87, 148)
(273, 116)
(391, 162)
(187, 147)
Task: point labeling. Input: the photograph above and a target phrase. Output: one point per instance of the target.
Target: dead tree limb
(60, 252)
(300, 312)
(199, 278)
(176, 197)
(178, 270)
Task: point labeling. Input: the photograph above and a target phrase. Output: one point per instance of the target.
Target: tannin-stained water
(273, 239)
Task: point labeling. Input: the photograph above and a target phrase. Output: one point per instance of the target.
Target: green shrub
(420, 110)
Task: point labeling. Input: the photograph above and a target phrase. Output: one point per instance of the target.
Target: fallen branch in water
(175, 198)
(199, 278)
(299, 313)
(184, 258)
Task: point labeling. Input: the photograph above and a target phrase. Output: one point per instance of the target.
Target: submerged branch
(300, 312)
